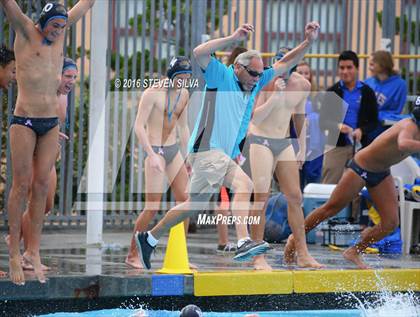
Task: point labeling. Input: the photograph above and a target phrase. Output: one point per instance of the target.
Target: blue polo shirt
(352, 98)
(231, 109)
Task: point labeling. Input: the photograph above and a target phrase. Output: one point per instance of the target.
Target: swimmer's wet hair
(6, 55)
(245, 58)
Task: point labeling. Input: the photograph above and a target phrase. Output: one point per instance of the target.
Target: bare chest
(37, 63)
(169, 107)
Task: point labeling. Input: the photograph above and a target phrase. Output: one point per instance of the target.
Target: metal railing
(142, 37)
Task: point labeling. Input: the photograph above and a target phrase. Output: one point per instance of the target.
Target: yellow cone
(176, 256)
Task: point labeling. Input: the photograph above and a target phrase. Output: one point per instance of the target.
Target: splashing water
(388, 304)
(391, 305)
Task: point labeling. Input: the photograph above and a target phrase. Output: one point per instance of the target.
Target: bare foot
(15, 271)
(353, 256)
(27, 265)
(45, 268)
(35, 260)
(289, 256)
(260, 263)
(308, 261)
(134, 262)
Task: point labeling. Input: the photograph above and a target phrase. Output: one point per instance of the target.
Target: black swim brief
(167, 151)
(39, 125)
(275, 145)
(371, 178)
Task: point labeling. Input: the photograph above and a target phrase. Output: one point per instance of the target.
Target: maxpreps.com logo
(204, 219)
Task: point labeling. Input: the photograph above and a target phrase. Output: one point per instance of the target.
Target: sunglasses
(251, 72)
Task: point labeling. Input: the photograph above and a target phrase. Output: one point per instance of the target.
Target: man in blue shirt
(221, 125)
(361, 118)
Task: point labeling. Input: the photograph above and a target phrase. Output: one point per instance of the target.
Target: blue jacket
(391, 94)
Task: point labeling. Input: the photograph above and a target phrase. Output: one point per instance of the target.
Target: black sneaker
(249, 249)
(144, 249)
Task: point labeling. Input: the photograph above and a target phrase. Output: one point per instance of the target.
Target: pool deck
(81, 272)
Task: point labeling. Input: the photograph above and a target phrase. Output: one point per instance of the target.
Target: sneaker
(226, 248)
(144, 249)
(250, 249)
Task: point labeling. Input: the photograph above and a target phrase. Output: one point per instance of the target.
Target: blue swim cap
(179, 65)
(68, 63)
(191, 311)
(52, 11)
(280, 54)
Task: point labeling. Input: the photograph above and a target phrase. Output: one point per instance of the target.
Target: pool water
(165, 313)
(387, 305)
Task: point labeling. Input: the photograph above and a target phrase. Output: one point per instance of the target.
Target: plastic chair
(406, 172)
(409, 208)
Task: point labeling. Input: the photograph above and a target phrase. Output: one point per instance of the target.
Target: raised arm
(79, 10)
(294, 56)
(19, 21)
(202, 52)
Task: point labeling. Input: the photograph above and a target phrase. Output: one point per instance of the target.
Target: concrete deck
(81, 272)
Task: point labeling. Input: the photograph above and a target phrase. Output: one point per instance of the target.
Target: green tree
(406, 36)
(404, 32)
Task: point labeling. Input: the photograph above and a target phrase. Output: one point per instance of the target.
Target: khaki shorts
(209, 169)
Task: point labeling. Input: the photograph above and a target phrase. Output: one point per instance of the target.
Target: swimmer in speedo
(34, 126)
(370, 167)
(162, 112)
